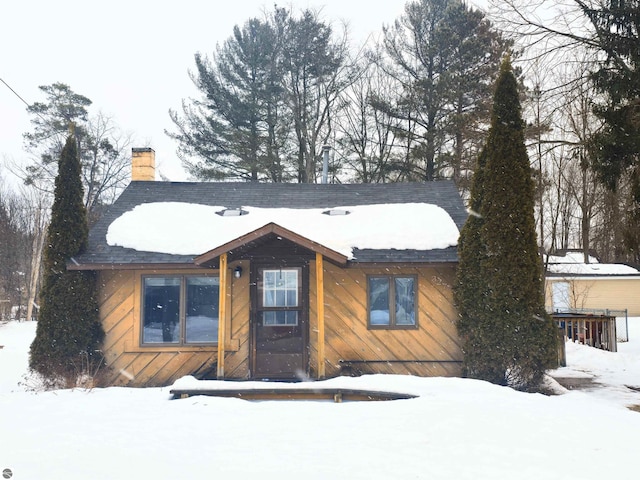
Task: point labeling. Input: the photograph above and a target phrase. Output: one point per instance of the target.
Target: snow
(197, 229)
(456, 428)
(573, 264)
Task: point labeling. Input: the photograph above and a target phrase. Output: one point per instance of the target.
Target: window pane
(280, 318)
(292, 279)
(291, 318)
(292, 298)
(280, 299)
(280, 288)
(405, 301)
(268, 319)
(292, 288)
(379, 301)
(269, 298)
(202, 309)
(269, 279)
(161, 310)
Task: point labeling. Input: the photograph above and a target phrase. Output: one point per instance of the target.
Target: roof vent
(232, 212)
(336, 211)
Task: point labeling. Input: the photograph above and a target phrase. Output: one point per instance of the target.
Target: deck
(337, 395)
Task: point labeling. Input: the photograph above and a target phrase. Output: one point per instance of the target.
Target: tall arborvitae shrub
(507, 336)
(69, 332)
(470, 289)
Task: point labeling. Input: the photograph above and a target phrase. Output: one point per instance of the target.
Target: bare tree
(104, 149)
(445, 57)
(368, 137)
(106, 162)
(316, 71)
(606, 142)
(38, 206)
(19, 264)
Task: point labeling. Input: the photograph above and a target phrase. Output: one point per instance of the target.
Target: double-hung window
(392, 301)
(180, 309)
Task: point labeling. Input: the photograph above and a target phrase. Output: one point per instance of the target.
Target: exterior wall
(130, 364)
(346, 334)
(348, 338)
(599, 293)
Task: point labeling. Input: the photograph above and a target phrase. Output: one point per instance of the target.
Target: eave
(134, 266)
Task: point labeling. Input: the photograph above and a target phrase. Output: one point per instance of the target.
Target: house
(275, 281)
(574, 285)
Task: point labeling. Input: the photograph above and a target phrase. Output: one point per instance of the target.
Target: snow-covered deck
(309, 392)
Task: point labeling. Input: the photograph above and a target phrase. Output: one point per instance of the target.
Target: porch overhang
(256, 237)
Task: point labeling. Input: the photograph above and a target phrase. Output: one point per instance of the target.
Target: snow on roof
(571, 257)
(573, 264)
(192, 229)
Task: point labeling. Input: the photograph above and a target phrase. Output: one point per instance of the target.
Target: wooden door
(279, 333)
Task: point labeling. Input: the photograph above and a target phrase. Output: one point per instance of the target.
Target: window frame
(284, 308)
(392, 325)
(182, 312)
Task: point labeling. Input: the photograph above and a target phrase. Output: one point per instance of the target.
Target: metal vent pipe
(325, 163)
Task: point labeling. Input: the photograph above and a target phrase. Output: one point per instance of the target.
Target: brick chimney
(143, 164)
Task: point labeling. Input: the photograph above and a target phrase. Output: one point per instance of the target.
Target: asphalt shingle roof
(274, 195)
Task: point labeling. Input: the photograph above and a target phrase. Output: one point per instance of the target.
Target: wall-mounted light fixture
(237, 272)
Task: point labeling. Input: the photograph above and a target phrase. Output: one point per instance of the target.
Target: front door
(279, 322)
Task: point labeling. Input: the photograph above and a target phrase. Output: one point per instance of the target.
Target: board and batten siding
(604, 293)
(348, 338)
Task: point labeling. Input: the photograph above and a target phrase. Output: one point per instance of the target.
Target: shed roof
(101, 255)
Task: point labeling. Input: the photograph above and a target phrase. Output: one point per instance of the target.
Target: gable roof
(571, 264)
(100, 254)
(268, 230)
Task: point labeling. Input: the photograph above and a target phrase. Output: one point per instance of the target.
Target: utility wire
(21, 99)
(15, 93)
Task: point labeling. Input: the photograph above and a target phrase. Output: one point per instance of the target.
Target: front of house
(275, 281)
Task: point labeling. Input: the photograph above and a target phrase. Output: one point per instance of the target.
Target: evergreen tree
(69, 332)
(444, 54)
(508, 337)
(616, 149)
(238, 128)
(470, 289)
(269, 96)
(103, 149)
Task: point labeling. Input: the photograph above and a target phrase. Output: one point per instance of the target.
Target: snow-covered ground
(456, 429)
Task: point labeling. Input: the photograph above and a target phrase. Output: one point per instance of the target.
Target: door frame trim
(304, 300)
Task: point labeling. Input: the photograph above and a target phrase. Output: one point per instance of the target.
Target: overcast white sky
(132, 57)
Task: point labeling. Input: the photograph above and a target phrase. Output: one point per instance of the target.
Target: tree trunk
(36, 259)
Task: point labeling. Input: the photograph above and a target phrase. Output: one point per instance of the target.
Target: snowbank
(455, 429)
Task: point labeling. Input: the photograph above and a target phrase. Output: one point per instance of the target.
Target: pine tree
(616, 148)
(69, 333)
(508, 338)
(445, 55)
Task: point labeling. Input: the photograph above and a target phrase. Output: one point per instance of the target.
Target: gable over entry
(277, 239)
(279, 297)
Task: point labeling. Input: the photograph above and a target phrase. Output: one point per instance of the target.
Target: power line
(21, 99)
(15, 93)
